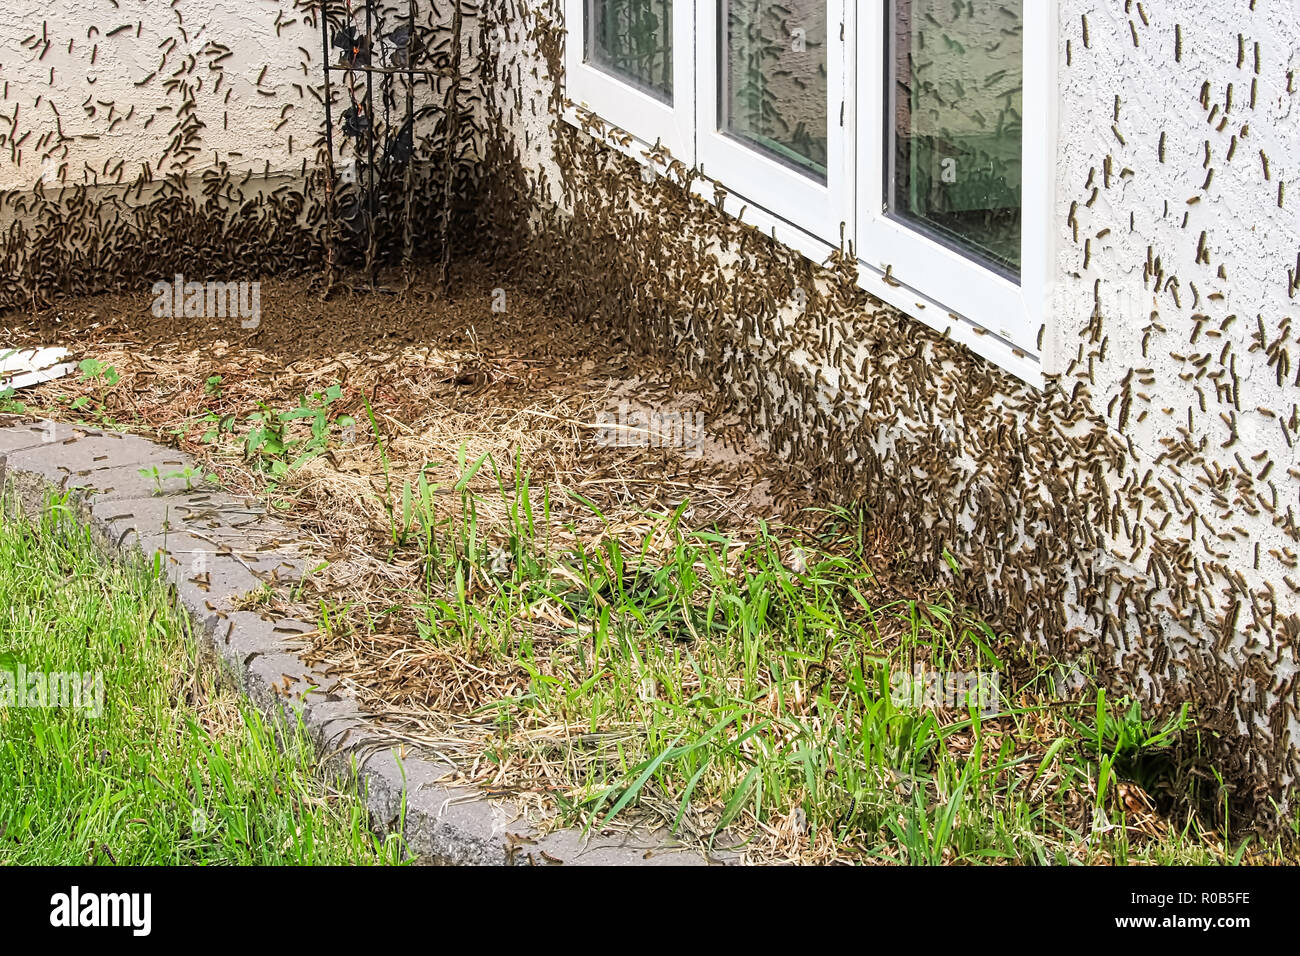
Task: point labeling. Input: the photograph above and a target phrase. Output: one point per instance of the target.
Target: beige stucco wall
(118, 95)
(197, 128)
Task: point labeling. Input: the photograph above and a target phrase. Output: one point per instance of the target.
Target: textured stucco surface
(121, 96)
(1177, 299)
(140, 139)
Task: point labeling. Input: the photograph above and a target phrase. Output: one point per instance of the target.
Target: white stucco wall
(126, 104)
(1205, 414)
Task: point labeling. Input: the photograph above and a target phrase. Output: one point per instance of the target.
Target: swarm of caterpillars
(1139, 559)
(209, 213)
(1140, 518)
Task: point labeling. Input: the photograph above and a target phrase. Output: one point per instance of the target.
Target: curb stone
(129, 514)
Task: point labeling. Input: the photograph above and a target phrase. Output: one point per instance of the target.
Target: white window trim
(978, 296)
(635, 111)
(821, 208)
(991, 315)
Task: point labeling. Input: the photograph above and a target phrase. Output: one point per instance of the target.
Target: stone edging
(214, 547)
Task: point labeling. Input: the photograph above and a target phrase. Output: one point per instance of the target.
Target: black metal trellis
(357, 56)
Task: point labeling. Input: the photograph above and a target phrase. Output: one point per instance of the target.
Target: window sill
(911, 302)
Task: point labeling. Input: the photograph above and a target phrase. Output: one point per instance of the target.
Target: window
(632, 39)
(953, 197)
(766, 101)
(633, 65)
(920, 131)
(773, 81)
(955, 100)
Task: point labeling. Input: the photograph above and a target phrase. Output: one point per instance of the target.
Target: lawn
(611, 634)
(157, 761)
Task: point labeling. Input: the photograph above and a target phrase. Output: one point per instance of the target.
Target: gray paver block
(127, 481)
(17, 437)
(83, 452)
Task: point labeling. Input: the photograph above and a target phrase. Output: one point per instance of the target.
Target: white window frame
(819, 208)
(995, 316)
(630, 109)
(974, 301)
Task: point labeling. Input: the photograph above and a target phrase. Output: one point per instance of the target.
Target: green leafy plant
(93, 406)
(154, 474)
(275, 448)
(93, 370)
(9, 405)
(216, 426)
(1123, 733)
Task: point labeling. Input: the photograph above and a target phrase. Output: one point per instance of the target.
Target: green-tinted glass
(773, 79)
(633, 39)
(957, 75)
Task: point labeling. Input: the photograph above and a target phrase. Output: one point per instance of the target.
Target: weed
(275, 448)
(719, 684)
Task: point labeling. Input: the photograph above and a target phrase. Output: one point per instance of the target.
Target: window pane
(957, 77)
(773, 83)
(633, 39)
